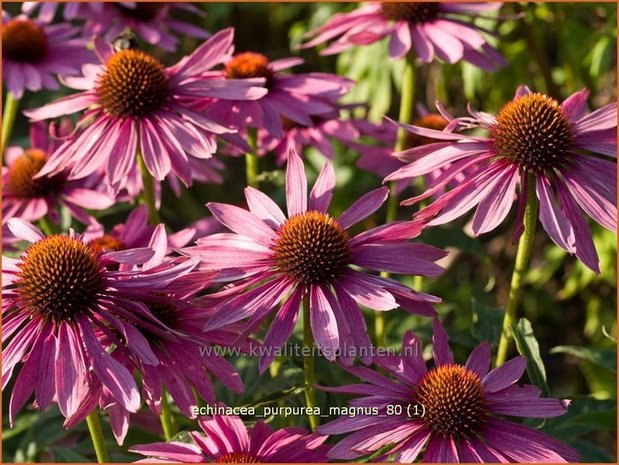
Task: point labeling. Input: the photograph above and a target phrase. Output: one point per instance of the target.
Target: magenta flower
(153, 21)
(569, 154)
(133, 101)
(309, 255)
(430, 29)
(135, 232)
(30, 198)
(150, 20)
(184, 353)
(296, 97)
(462, 407)
(35, 51)
(228, 440)
(59, 299)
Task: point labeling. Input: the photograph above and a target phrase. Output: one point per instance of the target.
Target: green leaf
(527, 345)
(487, 322)
(66, 455)
(606, 358)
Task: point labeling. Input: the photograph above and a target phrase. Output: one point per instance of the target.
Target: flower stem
(47, 226)
(148, 192)
(11, 104)
(251, 158)
(96, 433)
(407, 99)
(167, 420)
(308, 363)
(525, 245)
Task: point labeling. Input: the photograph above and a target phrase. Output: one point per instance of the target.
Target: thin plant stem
(308, 363)
(148, 191)
(251, 159)
(167, 420)
(11, 104)
(525, 245)
(96, 434)
(407, 99)
(46, 225)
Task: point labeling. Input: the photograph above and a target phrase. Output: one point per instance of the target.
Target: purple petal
(242, 222)
(324, 324)
(440, 346)
(24, 230)
(264, 208)
(321, 194)
(364, 207)
(505, 375)
(479, 360)
(296, 185)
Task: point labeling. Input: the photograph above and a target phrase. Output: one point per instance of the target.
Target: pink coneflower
(428, 28)
(184, 352)
(461, 405)
(566, 152)
(153, 21)
(325, 129)
(35, 51)
(296, 97)
(228, 440)
(31, 198)
(133, 101)
(135, 232)
(309, 255)
(59, 298)
(150, 20)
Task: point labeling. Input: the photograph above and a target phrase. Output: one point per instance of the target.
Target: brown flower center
(143, 11)
(23, 41)
(249, 65)
(106, 243)
(533, 132)
(21, 181)
(237, 457)
(413, 12)
(164, 310)
(135, 84)
(312, 247)
(454, 400)
(430, 121)
(59, 277)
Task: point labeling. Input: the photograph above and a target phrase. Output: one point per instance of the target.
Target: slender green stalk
(11, 104)
(148, 192)
(407, 99)
(46, 225)
(308, 363)
(96, 433)
(251, 159)
(167, 420)
(525, 245)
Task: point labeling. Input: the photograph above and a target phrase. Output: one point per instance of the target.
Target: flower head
(34, 51)
(569, 155)
(30, 197)
(430, 29)
(453, 410)
(61, 300)
(228, 440)
(297, 98)
(132, 100)
(309, 255)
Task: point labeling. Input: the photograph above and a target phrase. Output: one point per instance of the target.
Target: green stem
(46, 225)
(167, 420)
(308, 363)
(407, 99)
(251, 159)
(11, 104)
(96, 433)
(525, 245)
(148, 191)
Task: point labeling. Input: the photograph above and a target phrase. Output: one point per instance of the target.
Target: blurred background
(554, 48)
